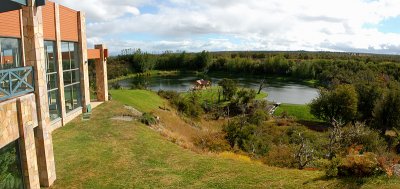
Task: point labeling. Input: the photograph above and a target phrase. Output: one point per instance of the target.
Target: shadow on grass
(348, 182)
(314, 125)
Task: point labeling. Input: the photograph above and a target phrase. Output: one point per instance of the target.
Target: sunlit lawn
(103, 153)
(299, 111)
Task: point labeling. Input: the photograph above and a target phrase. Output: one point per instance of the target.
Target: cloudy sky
(222, 25)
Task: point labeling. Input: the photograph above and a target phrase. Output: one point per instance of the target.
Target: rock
(396, 170)
(134, 111)
(123, 118)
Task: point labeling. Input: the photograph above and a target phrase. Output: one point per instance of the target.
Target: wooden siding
(10, 25)
(93, 53)
(68, 24)
(49, 28)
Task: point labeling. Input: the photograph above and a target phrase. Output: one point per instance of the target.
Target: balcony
(16, 82)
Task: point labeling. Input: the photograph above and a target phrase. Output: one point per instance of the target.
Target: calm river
(278, 91)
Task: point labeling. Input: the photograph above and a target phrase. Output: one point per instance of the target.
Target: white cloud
(257, 25)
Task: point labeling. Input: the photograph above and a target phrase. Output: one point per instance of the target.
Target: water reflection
(278, 91)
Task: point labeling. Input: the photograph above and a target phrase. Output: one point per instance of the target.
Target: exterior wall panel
(10, 25)
(93, 53)
(68, 24)
(49, 28)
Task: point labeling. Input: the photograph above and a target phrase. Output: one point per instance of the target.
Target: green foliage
(258, 116)
(229, 88)
(188, 104)
(142, 61)
(359, 164)
(359, 134)
(202, 60)
(343, 138)
(238, 131)
(214, 142)
(339, 104)
(246, 96)
(387, 110)
(280, 155)
(116, 86)
(148, 119)
(169, 95)
(331, 167)
(368, 95)
(10, 175)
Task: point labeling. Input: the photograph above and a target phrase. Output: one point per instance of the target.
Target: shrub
(214, 142)
(148, 119)
(258, 117)
(116, 85)
(359, 134)
(331, 167)
(169, 95)
(280, 156)
(359, 165)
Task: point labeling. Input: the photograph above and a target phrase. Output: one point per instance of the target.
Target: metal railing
(15, 82)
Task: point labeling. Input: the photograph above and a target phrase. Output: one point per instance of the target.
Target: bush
(169, 95)
(148, 119)
(214, 142)
(116, 85)
(258, 117)
(359, 134)
(359, 165)
(280, 156)
(331, 167)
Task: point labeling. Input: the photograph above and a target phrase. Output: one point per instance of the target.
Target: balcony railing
(15, 82)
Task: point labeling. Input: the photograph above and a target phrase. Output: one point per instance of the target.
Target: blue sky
(217, 25)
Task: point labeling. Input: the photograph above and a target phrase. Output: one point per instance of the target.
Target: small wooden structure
(201, 84)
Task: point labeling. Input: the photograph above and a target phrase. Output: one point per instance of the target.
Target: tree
(304, 153)
(368, 95)
(262, 85)
(202, 60)
(229, 88)
(387, 110)
(339, 104)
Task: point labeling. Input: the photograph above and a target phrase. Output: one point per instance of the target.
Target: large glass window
(10, 53)
(10, 167)
(52, 79)
(71, 73)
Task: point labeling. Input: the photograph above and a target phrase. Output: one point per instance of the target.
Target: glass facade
(10, 167)
(71, 74)
(52, 79)
(10, 53)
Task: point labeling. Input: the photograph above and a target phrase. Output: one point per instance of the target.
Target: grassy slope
(211, 94)
(140, 99)
(301, 112)
(102, 153)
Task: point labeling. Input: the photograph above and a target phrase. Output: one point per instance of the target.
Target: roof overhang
(10, 5)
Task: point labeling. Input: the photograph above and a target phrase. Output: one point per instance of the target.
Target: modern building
(44, 84)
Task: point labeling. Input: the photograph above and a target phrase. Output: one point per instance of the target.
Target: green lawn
(211, 94)
(103, 153)
(299, 111)
(142, 100)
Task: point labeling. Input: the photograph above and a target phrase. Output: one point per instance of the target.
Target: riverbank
(272, 78)
(149, 73)
(279, 89)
